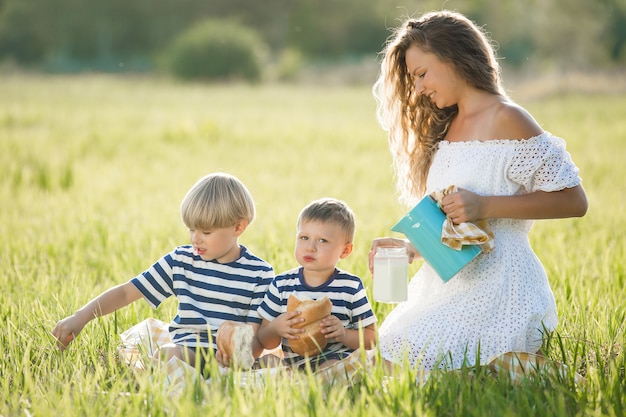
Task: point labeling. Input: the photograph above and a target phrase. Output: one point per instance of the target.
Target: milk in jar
(391, 271)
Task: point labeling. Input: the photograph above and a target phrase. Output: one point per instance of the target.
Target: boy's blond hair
(330, 210)
(217, 200)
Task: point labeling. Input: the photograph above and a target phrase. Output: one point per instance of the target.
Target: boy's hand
(283, 325)
(222, 358)
(332, 328)
(66, 330)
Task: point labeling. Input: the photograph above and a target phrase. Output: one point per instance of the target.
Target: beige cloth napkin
(466, 233)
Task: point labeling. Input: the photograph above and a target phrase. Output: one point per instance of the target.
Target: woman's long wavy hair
(415, 124)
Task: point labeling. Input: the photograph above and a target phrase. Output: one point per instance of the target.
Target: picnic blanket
(140, 341)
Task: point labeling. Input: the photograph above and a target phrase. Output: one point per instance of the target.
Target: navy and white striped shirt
(208, 292)
(345, 291)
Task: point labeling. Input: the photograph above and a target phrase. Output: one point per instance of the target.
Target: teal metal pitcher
(422, 226)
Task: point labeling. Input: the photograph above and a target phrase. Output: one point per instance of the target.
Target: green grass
(92, 172)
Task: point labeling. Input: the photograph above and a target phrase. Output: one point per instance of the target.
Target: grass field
(92, 171)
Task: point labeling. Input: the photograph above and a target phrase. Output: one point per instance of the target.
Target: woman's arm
(466, 206)
(512, 121)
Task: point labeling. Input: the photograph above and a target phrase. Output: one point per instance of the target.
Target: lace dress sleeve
(543, 164)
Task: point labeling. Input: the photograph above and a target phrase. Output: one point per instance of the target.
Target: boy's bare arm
(267, 337)
(112, 299)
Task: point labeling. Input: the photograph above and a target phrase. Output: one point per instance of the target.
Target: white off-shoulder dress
(502, 300)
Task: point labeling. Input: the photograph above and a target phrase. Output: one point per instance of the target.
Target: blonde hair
(330, 210)
(217, 200)
(415, 124)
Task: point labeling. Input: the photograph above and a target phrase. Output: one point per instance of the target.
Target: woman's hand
(462, 206)
(391, 242)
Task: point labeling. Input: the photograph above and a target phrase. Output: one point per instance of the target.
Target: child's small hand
(222, 358)
(66, 330)
(283, 325)
(332, 328)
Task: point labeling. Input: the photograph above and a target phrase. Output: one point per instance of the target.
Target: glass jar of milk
(391, 274)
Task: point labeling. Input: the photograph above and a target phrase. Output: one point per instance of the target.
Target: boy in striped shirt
(325, 230)
(215, 279)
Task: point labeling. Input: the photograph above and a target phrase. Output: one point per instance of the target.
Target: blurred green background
(294, 38)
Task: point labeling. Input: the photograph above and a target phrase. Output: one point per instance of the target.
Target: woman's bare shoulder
(514, 122)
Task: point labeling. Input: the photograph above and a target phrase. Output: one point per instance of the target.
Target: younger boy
(325, 230)
(215, 279)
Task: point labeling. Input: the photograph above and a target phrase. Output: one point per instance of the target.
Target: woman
(450, 122)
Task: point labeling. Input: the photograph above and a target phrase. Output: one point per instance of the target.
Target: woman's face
(433, 78)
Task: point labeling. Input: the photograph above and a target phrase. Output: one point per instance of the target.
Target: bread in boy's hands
(235, 340)
(312, 342)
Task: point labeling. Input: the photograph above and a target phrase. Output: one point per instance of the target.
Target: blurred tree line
(118, 35)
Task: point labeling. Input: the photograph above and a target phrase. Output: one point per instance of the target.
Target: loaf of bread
(312, 341)
(235, 340)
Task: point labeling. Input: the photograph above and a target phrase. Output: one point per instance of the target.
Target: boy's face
(218, 244)
(320, 245)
